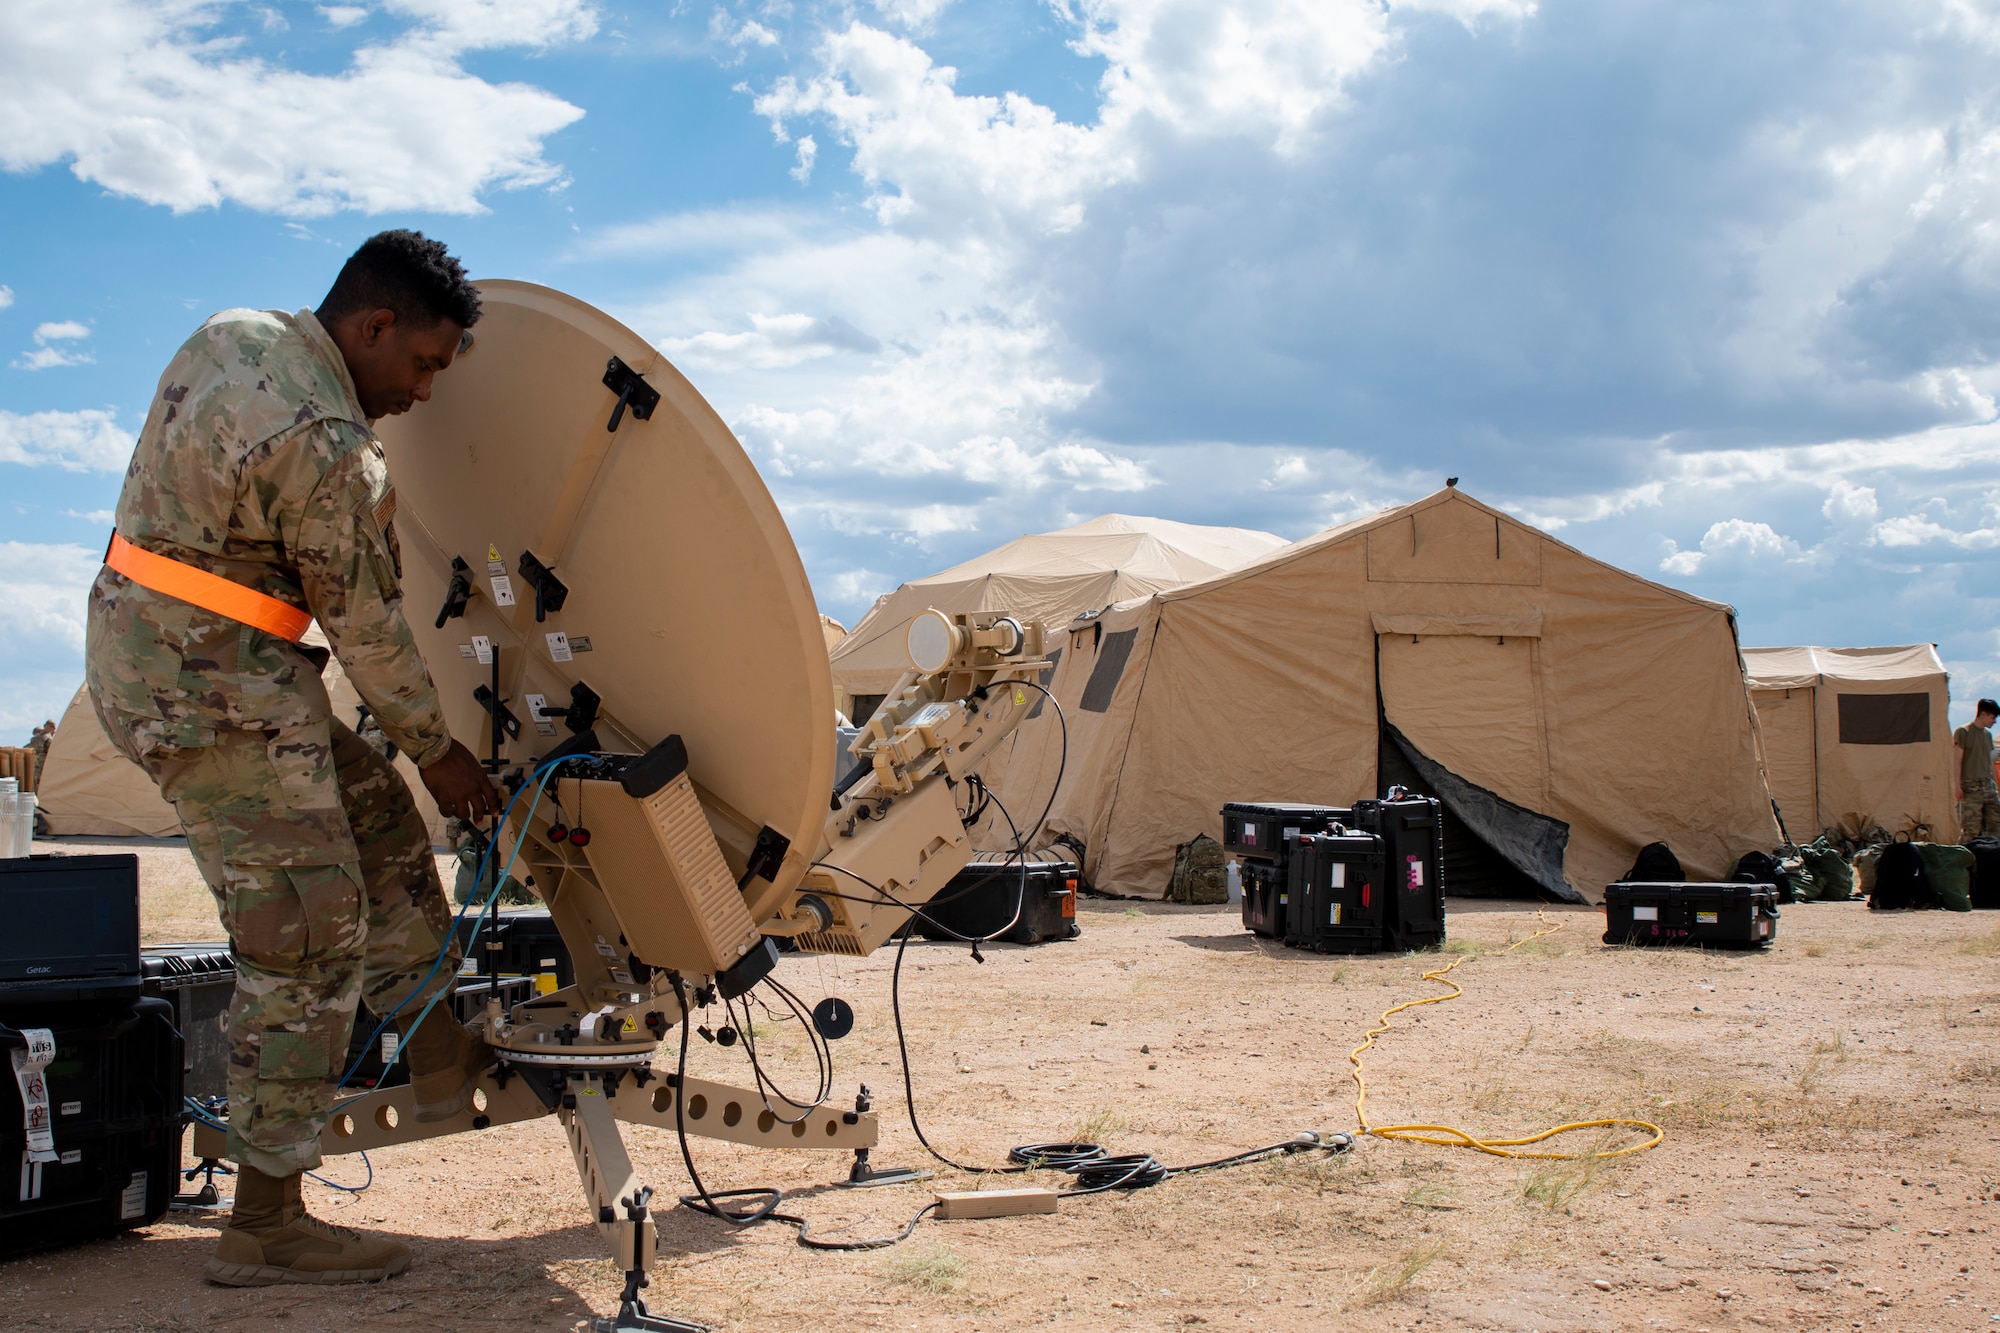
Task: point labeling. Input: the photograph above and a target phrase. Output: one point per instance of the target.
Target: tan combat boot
(445, 1062)
(270, 1239)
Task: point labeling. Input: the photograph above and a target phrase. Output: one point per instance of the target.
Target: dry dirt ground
(1831, 1157)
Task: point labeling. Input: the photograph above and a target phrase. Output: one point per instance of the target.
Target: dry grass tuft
(1098, 1124)
(935, 1269)
(1822, 1063)
(1559, 1183)
(1984, 946)
(1433, 1195)
(1392, 1281)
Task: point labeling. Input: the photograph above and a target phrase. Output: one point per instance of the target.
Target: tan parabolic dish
(681, 573)
(1045, 576)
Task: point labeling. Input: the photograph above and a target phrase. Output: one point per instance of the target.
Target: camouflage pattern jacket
(257, 464)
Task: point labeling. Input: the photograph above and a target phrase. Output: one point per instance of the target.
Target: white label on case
(558, 646)
(132, 1203)
(37, 1054)
(1339, 875)
(1645, 914)
(1707, 918)
(72, 1108)
(1334, 918)
(536, 703)
(579, 643)
(72, 1157)
(503, 590)
(482, 648)
(466, 651)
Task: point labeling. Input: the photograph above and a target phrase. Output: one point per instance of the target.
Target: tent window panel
(1048, 678)
(1103, 682)
(1885, 719)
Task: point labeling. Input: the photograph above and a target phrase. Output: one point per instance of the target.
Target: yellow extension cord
(1458, 1138)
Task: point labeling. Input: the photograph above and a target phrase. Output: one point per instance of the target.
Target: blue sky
(1707, 289)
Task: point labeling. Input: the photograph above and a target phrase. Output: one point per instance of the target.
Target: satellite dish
(579, 476)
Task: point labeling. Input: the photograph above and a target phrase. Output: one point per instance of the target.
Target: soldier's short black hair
(409, 273)
(1988, 706)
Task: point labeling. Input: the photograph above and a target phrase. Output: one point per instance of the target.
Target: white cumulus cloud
(149, 99)
(46, 587)
(1736, 540)
(6, 297)
(49, 350)
(89, 440)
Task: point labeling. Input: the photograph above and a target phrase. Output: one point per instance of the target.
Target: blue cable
(492, 895)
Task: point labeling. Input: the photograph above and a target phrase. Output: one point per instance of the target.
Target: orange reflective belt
(210, 592)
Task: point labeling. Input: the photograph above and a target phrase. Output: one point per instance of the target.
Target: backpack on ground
(1764, 868)
(1901, 881)
(1201, 872)
(1657, 864)
(1985, 851)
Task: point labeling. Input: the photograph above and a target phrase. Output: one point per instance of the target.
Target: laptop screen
(69, 918)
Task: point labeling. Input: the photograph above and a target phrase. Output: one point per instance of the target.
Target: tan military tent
(831, 630)
(90, 790)
(1856, 736)
(1046, 576)
(1567, 712)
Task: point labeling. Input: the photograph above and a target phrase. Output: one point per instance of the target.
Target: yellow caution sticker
(1020, 696)
(631, 1023)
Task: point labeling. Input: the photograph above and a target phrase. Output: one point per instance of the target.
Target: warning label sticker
(132, 1203)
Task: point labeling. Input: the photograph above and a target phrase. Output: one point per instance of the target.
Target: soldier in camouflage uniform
(257, 464)
(45, 736)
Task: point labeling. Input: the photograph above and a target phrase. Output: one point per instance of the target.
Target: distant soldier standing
(257, 501)
(1973, 784)
(45, 736)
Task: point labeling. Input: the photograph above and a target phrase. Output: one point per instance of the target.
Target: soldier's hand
(460, 786)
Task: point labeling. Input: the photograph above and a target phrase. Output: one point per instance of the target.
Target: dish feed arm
(896, 835)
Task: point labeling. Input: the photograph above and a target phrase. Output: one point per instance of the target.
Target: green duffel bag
(1833, 879)
(1949, 867)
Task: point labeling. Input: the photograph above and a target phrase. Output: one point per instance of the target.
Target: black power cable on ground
(1088, 1164)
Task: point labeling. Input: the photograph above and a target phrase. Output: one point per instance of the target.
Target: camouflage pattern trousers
(1978, 812)
(323, 872)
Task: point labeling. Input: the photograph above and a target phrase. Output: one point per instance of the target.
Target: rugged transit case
(369, 1059)
(1340, 890)
(521, 943)
(1412, 833)
(114, 1102)
(1259, 830)
(1726, 916)
(198, 980)
(1266, 895)
(979, 900)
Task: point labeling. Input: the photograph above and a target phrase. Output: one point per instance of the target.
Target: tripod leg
(618, 1202)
